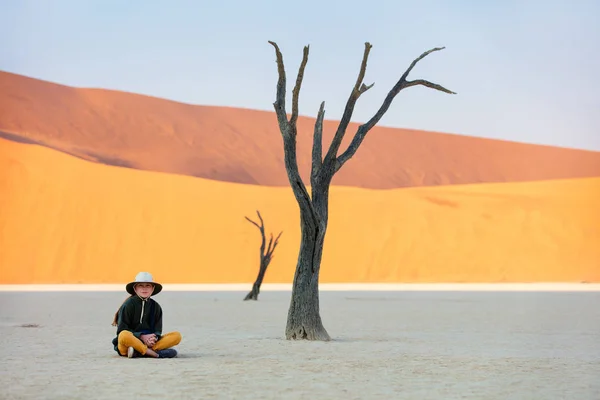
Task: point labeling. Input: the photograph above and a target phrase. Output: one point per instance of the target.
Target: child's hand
(149, 339)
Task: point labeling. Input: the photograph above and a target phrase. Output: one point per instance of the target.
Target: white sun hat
(143, 277)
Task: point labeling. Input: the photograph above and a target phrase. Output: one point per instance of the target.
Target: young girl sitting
(139, 322)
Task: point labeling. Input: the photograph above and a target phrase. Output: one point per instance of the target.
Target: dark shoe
(167, 353)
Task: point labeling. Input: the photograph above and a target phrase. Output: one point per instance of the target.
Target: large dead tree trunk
(265, 257)
(304, 319)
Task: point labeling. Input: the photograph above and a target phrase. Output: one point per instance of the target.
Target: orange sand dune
(65, 220)
(239, 145)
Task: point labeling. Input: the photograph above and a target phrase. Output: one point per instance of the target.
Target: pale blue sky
(524, 70)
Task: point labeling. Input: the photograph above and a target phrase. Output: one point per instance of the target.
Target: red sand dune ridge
(244, 146)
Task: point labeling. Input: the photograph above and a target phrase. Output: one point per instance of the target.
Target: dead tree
(304, 319)
(265, 257)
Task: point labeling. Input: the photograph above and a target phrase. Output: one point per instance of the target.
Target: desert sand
(385, 345)
(67, 220)
(244, 146)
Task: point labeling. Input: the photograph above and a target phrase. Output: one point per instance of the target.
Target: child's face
(144, 289)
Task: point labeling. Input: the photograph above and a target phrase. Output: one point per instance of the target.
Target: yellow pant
(126, 340)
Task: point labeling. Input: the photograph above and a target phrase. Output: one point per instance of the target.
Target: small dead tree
(265, 257)
(304, 320)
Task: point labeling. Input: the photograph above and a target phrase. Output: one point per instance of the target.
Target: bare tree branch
(401, 84)
(266, 254)
(363, 69)
(416, 60)
(262, 223)
(279, 103)
(254, 223)
(296, 91)
(364, 87)
(273, 244)
(317, 149)
(270, 243)
(261, 228)
(289, 130)
(271, 248)
(428, 84)
(359, 88)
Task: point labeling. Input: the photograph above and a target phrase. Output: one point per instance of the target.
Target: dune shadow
(107, 160)
(19, 139)
(82, 154)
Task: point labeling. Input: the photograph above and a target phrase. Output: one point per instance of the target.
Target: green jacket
(130, 318)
